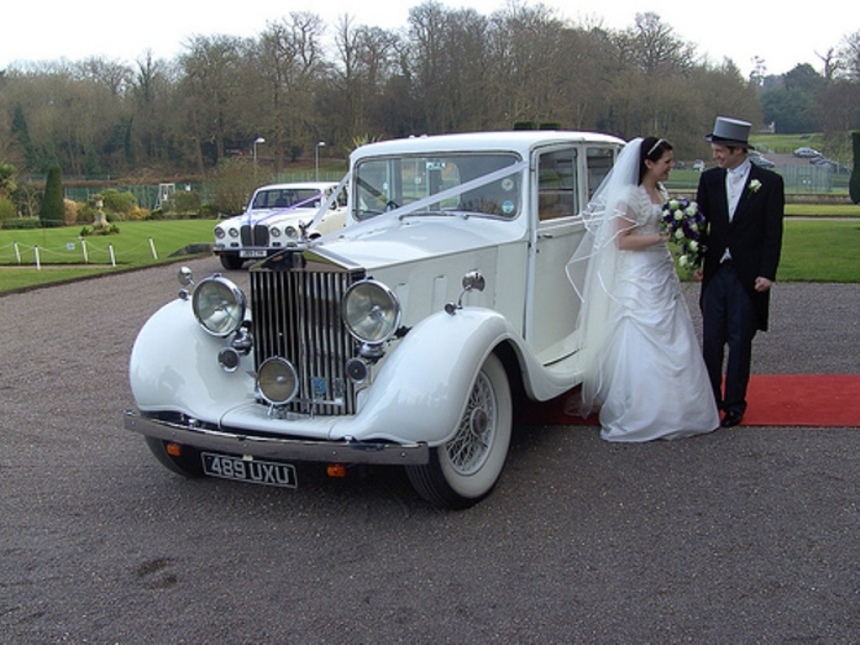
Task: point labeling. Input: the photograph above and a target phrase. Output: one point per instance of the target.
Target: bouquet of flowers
(684, 223)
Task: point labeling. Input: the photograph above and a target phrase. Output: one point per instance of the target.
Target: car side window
(557, 195)
(599, 162)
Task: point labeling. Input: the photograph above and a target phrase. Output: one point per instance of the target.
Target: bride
(644, 369)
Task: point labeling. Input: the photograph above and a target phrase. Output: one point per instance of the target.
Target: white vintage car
(403, 339)
(274, 219)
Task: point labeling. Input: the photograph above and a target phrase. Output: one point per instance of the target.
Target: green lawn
(61, 250)
(815, 251)
(826, 251)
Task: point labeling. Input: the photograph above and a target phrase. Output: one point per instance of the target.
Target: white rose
(679, 234)
(693, 245)
(683, 261)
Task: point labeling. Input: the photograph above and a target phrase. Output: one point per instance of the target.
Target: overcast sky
(736, 29)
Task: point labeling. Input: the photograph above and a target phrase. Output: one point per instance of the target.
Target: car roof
(314, 185)
(521, 141)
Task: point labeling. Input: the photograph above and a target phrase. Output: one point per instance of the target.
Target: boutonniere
(755, 184)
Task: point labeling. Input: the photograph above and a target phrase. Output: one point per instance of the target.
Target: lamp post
(256, 141)
(319, 145)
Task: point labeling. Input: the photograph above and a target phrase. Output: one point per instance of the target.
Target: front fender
(174, 366)
(422, 388)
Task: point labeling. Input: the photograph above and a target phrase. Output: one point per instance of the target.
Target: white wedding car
(405, 338)
(274, 218)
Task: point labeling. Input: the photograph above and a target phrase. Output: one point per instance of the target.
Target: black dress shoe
(732, 418)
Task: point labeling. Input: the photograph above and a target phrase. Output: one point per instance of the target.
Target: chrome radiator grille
(257, 235)
(296, 315)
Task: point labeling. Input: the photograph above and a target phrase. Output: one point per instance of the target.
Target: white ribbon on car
(326, 205)
(383, 220)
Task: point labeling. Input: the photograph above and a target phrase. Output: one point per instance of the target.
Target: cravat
(734, 187)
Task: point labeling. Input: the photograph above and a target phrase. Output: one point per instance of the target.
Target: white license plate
(270, 473)
(253, 253)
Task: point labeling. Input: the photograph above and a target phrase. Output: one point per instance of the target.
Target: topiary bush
(52, 210)
(854, 181)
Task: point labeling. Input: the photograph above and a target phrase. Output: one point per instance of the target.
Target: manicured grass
(822, 210)
(814, 251)
(61, 250)
(820, 251)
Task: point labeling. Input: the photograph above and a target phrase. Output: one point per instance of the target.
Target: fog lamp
(277, 381)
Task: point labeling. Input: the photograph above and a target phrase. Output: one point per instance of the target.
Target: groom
(743, 205)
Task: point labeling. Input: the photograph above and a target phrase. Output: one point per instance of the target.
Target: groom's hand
(763, 284)
(697, 275)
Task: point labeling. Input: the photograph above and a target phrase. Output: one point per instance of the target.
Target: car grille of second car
(257, 235)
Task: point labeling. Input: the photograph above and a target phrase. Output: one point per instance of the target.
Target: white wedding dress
(653, 382)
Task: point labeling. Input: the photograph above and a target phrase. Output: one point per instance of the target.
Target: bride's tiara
(655, 146)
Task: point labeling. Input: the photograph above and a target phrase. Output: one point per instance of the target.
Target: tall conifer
(51, 210)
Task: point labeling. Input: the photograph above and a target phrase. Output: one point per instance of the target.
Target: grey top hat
(731, 132)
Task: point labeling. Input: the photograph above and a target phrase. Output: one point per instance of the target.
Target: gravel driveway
(744, 535)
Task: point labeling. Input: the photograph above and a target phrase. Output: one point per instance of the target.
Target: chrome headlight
(219, 233)
(275, 231)
(234, 232)
(371, 312)
(219, 305)
(277, 381)
(291, 232)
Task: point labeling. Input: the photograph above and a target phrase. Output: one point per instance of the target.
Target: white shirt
(736, 179)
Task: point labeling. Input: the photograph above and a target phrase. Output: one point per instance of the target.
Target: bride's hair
(653, 149)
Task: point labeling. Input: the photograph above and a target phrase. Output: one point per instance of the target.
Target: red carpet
(818, 400)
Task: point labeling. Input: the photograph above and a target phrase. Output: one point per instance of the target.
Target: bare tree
(290, 65)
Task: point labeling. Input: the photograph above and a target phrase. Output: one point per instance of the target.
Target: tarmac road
(743, 535)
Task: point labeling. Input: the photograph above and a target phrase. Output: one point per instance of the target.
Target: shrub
(20, 223)
(7, 208)
(70, 211)
(185, 201)
(87, 231)
(52, 211)
(854, 181)
(234, 181)
(118, 202)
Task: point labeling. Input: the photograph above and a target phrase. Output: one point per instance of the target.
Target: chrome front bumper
(278, 449)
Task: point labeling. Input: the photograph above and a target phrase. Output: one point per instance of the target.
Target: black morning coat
(753, 237)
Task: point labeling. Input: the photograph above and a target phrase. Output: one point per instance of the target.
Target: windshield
(383, 184)
(287, 198)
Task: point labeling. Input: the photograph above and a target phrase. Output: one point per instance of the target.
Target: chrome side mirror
(472, 281)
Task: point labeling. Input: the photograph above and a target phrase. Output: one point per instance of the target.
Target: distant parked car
(761, 161)
(806, 153)
(278, 216)
(699, 165)
(822, 162)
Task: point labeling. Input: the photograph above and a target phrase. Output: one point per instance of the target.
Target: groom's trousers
(728, 318)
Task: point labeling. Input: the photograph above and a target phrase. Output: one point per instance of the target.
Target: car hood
(414, 239)
(272, 216)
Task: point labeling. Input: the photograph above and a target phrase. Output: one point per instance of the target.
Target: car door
(566, 176)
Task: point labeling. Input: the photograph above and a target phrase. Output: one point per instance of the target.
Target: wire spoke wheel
(465, 469)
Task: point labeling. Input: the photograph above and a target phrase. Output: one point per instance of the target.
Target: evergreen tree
(22, 133)
(854, 181)
(51, 211)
